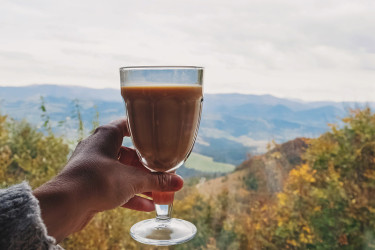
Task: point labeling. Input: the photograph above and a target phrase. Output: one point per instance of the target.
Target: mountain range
(232, 126)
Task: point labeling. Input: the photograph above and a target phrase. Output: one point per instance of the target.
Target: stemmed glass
(163, 108)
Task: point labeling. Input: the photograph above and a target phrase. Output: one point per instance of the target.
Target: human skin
(100, 175)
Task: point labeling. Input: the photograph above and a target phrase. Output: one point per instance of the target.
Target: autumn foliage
(305, 194)
(327, 202)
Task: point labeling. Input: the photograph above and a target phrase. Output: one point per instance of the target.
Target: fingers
(128, 156)
(122, 125)
(107, 139)
(164, 182)
(140, 204)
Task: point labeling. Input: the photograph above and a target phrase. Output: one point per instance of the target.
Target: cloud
(308, 49)
(16, 55)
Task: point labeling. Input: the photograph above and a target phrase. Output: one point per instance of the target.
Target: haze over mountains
(232, 126)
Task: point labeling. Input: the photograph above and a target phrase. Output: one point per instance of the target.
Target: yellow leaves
(299, 178)
(372, 210)
(333, 173)
(282, 198)
(3, 130)
(335, 185)
(306, 229)
(303, 238)
(303, 174)
(211, 244)
(370, 174)
(319, 193)
(311, 179)
(5, 156)
(276, 155)
(28, 154)
(264, 208)
(317, 208)
(306, 235)
(292, 242)
(347, 119)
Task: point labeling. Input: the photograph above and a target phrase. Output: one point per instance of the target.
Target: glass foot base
(163, 232)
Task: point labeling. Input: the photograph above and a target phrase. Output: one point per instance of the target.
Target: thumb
(164, 182)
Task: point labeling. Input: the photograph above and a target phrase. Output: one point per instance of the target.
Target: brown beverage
(163, 122)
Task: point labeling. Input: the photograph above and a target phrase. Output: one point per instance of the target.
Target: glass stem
(163, 212)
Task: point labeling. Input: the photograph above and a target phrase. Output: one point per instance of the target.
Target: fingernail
(177, 181)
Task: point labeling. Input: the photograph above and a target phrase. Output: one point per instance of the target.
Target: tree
(328, 202)
(28, 154)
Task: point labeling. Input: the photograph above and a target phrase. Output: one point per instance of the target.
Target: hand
(100, 175)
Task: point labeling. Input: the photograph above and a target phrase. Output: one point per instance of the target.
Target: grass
(207, 164)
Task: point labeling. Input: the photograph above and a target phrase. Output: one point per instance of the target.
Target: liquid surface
(163, 122)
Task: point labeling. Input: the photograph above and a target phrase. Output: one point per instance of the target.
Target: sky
(309, 50)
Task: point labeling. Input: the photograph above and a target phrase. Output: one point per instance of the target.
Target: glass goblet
(163, 107)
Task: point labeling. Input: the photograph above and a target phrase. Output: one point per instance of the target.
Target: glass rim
(160, 67)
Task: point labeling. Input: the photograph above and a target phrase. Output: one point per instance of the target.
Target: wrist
(62, 208)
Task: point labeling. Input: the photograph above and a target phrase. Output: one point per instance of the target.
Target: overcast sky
(310, 50)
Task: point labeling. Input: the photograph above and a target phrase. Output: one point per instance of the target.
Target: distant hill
(261, 174)
(33, 92)
(232, 125)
